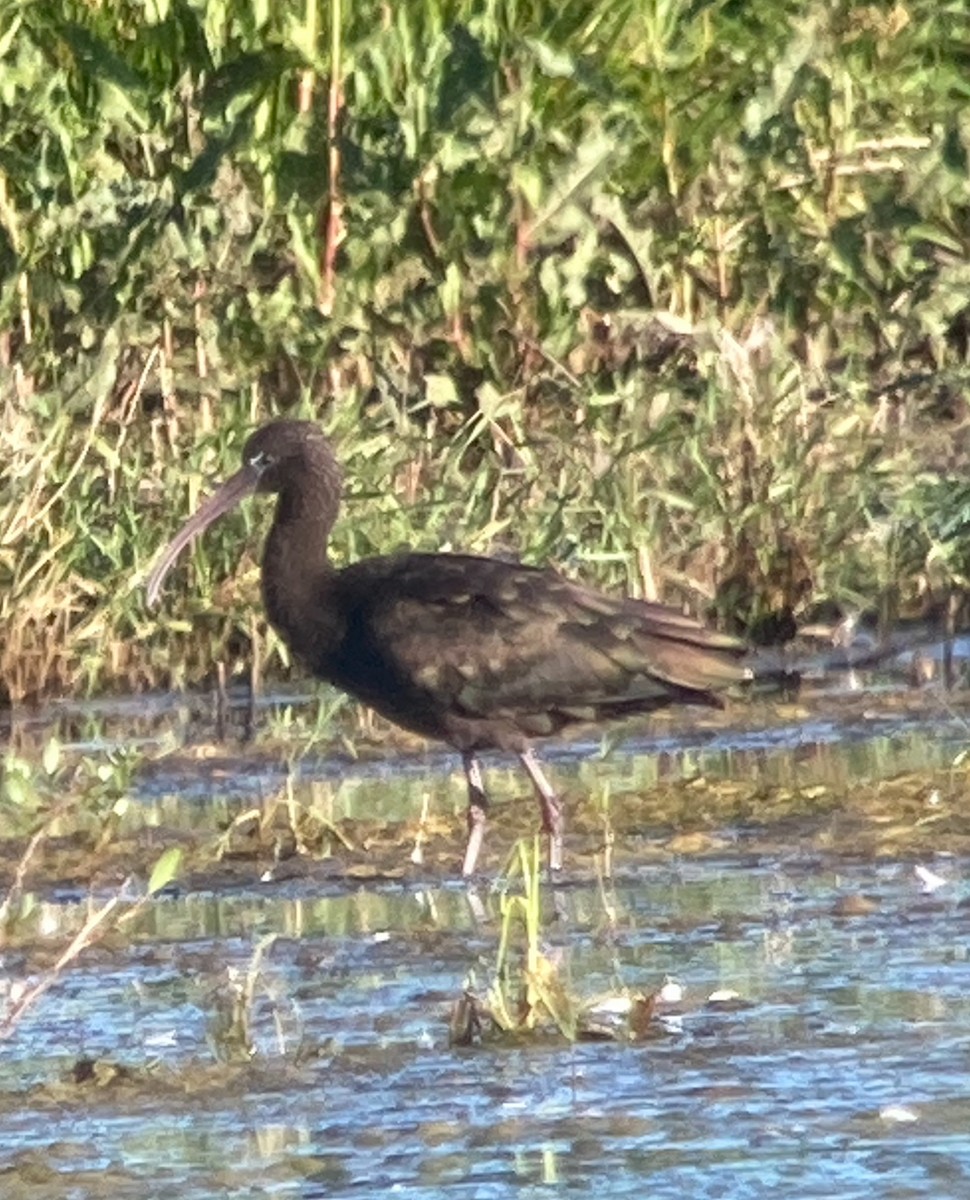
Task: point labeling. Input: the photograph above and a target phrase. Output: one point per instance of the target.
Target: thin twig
(83, 938)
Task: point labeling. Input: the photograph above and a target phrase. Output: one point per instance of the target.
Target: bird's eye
(260, 460)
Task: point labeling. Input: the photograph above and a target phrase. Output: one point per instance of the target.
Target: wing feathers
(490, 637)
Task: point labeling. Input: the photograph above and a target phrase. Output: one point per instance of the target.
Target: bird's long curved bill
(223, 500)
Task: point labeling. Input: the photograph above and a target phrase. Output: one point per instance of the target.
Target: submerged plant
(530, 993)
(282, 825)
(527, 989)
(237, 1003)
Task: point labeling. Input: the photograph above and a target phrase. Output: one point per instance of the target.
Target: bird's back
(482, 652)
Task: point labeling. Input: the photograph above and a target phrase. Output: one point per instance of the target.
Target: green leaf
(553, 62)
(51, 758)
(16, 790)
(440, 391)
(165, 870)
(451, 290)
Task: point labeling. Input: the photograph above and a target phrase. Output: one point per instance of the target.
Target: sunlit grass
(531, 992)
(671, 299)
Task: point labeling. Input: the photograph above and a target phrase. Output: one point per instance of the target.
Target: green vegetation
(674, 295)
(530, 992)
(526, 990)
(54, 802)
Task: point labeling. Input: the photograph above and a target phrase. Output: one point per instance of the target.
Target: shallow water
(839, 1069)
(842, 1071)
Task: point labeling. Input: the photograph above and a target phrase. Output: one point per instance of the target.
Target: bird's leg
(477, 812)
(551, 807)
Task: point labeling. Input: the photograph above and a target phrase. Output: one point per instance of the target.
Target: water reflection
(845, 1059)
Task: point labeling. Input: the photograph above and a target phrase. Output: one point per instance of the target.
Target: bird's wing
(486, 636)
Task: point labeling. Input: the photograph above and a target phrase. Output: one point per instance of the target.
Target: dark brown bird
(484, 654)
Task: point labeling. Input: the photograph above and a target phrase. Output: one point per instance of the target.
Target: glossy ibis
(481, 653)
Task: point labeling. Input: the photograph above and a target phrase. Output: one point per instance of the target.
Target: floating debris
(900, 1113)
(726, 998)
(671, 992)
(929, 881)
(625, 1016)
(855, 905)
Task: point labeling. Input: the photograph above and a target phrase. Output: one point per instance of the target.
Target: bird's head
(291, 458)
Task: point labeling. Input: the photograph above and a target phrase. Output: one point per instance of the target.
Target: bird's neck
(298, 574)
